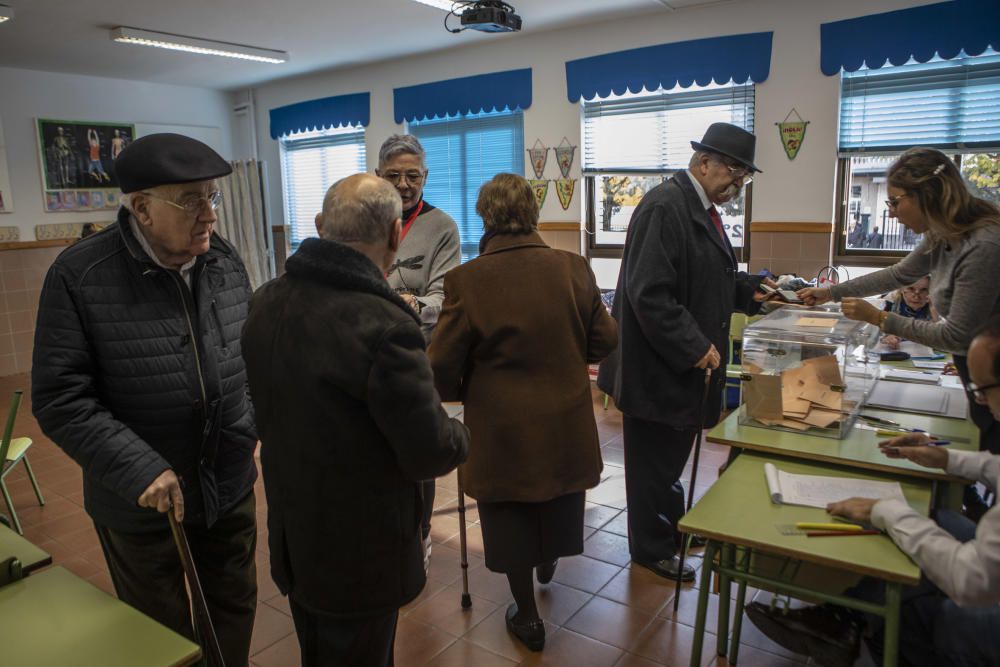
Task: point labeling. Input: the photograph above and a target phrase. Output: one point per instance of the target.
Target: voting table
(30, 556)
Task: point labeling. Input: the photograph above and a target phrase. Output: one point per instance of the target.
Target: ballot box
(807, 370)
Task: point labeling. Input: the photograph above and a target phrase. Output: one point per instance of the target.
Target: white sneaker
(427, 554)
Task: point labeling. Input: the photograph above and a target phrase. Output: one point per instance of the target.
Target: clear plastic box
(807, 370)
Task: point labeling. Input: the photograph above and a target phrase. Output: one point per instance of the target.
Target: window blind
(947, 104)
(463, 152)
(310, 164)
(652, 132)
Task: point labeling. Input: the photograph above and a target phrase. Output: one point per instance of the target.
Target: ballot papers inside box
(807, 370)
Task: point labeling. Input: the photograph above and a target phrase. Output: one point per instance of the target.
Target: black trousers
(427, 489)
(655, 455)
(147, 574)
(355, 642)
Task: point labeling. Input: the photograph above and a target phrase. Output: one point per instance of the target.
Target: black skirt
(522, 535)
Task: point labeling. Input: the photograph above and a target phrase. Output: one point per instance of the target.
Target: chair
(12, 451)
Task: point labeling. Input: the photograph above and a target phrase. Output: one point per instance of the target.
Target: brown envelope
(822, 418)
(827, 369)
(762, 396)
(823, 396)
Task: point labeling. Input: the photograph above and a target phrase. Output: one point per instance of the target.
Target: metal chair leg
(10, 507)
(34, 482)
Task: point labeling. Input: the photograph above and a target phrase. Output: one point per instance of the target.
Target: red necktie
(713, 213)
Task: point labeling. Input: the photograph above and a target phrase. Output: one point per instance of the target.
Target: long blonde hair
(934, 181)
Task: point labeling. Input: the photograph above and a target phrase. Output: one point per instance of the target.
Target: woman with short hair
(517, 329)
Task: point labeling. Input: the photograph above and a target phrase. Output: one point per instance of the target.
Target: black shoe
(545, 571)
(668, 568)
(826, 633)
(531, 634)
(697, 542)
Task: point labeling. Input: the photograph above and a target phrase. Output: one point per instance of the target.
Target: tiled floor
(598, 610)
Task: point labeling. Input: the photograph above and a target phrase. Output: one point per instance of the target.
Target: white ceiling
(72, 36)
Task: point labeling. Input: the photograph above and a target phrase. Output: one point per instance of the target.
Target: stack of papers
(907, 375)
(786, 488)
(798, 398)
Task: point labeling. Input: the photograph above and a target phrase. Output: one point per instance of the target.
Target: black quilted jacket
(134, 373)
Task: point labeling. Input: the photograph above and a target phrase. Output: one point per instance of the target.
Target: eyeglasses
(742, 173)
(893, 202)
(980, 392)
(192, 204)
(412, 177)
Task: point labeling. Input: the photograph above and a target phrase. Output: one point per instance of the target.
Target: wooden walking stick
(202, 619)
(466, 598)
(694, 475)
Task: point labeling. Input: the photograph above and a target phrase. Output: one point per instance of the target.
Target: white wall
(799, 191)
(26, 95)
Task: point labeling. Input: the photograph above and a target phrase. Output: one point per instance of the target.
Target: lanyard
(409, 221)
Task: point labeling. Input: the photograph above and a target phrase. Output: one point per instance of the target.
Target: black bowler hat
(731, 141)
(165, 159)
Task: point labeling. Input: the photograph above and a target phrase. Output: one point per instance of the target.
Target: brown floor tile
(284, 653)
(608, 547)
(752, 657)
(565, 648)
(444, 611)
(417, 643)
(618, 525)
(466, 654)
(584, 573)
(490, 585)
(610, 622)
(281, 604)
(270, 627)
(640, 589)
(557, 603)
(595, 516)
(431, 588)
(492, 635)
(669, 643)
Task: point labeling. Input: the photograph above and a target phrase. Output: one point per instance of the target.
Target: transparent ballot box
(807, 370)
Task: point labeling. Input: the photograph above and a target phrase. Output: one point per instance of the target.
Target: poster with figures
(564, 156)
(541, 188)
(6, 197)
(77, 163)
(564, 190)
(538, 155)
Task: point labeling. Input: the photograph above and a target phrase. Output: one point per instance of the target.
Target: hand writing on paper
(164, 492)
(853, 509)
(914, 447)
(711, 359)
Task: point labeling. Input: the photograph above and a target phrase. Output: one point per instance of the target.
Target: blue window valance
(470, 94)
(944, 28)
(720, 59)
(321, 114)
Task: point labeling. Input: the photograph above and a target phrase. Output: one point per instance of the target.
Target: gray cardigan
(431, 249)
(965, 288)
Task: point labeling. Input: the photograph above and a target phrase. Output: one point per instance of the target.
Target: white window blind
(652, 132)
(463, 152)
(310, 163)
(946, 104)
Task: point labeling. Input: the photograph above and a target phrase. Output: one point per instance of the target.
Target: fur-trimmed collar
(342, 267)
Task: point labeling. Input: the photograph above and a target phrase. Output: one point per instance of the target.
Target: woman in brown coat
(517, 329)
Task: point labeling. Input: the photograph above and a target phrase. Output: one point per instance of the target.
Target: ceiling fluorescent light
(209, 47)
(6, 13)
(446, 5)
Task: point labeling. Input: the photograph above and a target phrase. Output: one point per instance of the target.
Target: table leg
(706, 583)
(890, 649)
(741, 595)
(726, 561)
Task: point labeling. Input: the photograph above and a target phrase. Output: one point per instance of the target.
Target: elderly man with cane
(677, 288)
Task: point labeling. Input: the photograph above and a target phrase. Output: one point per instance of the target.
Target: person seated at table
(910, 301)
(953, 616)
(517, 329)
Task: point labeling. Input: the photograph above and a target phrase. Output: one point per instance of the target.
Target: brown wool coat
(517, 329)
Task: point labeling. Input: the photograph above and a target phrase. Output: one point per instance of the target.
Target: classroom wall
(801, 191)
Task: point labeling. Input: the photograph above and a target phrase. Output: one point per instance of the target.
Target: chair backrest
(8, 430)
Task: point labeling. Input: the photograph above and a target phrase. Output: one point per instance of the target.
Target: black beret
(166, 158)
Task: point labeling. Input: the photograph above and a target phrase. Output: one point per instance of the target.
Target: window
(310, 163)
(463, 152)
(952, 105)
(632, 143)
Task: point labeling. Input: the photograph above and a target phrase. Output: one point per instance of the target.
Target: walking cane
(694, 476)
(202, 619)
(466, 598)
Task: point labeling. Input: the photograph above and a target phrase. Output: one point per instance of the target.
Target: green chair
(12, 451)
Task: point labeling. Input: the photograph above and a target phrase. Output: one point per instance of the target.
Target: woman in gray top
(429, 247)
(960, 250)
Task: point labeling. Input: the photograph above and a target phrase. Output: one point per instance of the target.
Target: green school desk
(738, 519)
(31, 557)
(55, 619)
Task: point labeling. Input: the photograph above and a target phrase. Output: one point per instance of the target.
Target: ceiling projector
(490, 16)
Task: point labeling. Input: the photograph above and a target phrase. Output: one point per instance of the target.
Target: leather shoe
(545, 571)
(827, 633)
(668, 568)
(531, 633)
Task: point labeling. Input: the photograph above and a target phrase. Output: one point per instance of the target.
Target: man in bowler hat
(677, 288)
(137, 375)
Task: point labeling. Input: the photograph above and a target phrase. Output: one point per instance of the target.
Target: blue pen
(933, 357)
(938, 443)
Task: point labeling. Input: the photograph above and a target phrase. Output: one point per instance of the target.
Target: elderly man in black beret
(137, 375)
(677, 289)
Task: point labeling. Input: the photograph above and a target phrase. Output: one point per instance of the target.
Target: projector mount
(483, 15)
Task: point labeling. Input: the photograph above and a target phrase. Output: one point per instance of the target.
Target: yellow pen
(846, 527)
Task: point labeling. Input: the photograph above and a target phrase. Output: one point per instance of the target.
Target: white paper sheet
(911, 375)
(908, 346)
(819, 491)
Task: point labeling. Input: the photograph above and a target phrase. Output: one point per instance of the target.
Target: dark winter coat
(518, 327)
(677, 289)
(349, 424)
(135, 373)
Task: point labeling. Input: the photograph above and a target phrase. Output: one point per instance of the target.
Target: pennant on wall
(564, 190)
(792, 134)
(538, 155)
(564, 156)
(541, 189)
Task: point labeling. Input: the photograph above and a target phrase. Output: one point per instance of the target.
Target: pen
(938, 443)
(878, 420)
(933, 357)
(842, 533)
(843, 527)
(899, 430)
